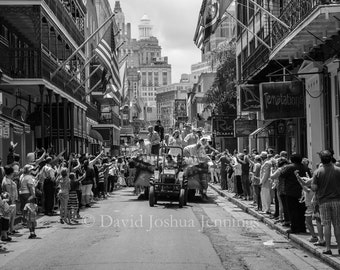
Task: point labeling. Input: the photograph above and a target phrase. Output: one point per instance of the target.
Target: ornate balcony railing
(74, 28)
(109, 118)
(92, 112)
(254, 62)
(294, 13)
(31, 63)
(60, 79)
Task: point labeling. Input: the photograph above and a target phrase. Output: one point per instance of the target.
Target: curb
(326, 258)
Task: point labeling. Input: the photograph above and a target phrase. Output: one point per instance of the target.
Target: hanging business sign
(282, 100)
(250, 97)
(223, 126)
(244, 127)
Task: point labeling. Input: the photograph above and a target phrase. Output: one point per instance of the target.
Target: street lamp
(291, 126)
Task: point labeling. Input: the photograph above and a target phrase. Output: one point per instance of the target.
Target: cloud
(174, 24)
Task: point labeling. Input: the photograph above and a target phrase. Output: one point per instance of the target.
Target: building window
(165, 78)
(143, 78)
(156, 79)
(150, 78)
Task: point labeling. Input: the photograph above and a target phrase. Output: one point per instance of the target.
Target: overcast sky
(174, 23)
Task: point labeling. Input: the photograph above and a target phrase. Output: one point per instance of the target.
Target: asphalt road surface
(123, 232)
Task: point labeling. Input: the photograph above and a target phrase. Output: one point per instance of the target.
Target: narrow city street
(123, 232)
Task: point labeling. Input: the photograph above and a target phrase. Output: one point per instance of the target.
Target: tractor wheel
(181, 198)
(151, 196)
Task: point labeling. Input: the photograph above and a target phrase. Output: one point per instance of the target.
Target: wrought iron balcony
(92, 112)
(31, 63)
(294, 13)
(109, 118)
(74, 26)
(255, 61)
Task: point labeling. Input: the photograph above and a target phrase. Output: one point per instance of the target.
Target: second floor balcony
(311, 23)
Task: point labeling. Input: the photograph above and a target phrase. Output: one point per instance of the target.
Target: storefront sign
(282, 100)
(244, 127)
(250, 97)
(223, 126)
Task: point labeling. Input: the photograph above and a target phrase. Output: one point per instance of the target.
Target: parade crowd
(48, 183)
(300, 196)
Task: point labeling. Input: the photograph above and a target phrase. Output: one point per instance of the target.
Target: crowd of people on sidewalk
(299, 195)
(49, 182)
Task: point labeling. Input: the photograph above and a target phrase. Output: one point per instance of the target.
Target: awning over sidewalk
(19, 126)
(261, 132)
(96, 135)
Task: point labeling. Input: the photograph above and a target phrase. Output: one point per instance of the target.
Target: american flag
(108, 58)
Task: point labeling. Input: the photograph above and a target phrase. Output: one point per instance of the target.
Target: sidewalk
(300, 239)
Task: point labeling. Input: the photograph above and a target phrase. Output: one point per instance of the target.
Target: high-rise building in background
(147, 70)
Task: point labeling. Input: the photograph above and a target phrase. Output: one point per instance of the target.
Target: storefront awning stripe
(260, 129)
(96, 135)
(14, 122)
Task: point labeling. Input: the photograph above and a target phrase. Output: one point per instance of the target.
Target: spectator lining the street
(72, 204)
(63, 183)
(9, 186)
(307, 197)
(5, 213)
(326, 185)
(265, 182)
(31, 212)
(293, 191)
(27, 187)
(256, 182)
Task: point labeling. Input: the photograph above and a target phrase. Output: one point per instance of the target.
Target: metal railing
(294, 13)
(254, 62)
(68, 21)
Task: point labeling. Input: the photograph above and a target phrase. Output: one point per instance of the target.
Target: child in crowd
(5, 213)
(31, 212)
(72, 205)
(63, 183)
(307, 197)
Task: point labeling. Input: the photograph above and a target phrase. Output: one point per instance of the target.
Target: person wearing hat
(31, 212)
(325, 183)
(27, 186)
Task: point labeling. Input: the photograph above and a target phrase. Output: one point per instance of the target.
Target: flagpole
(86, 63)
(270, 14)
(93, 72)
(121, 60)
(93, 88)
(81, 46)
